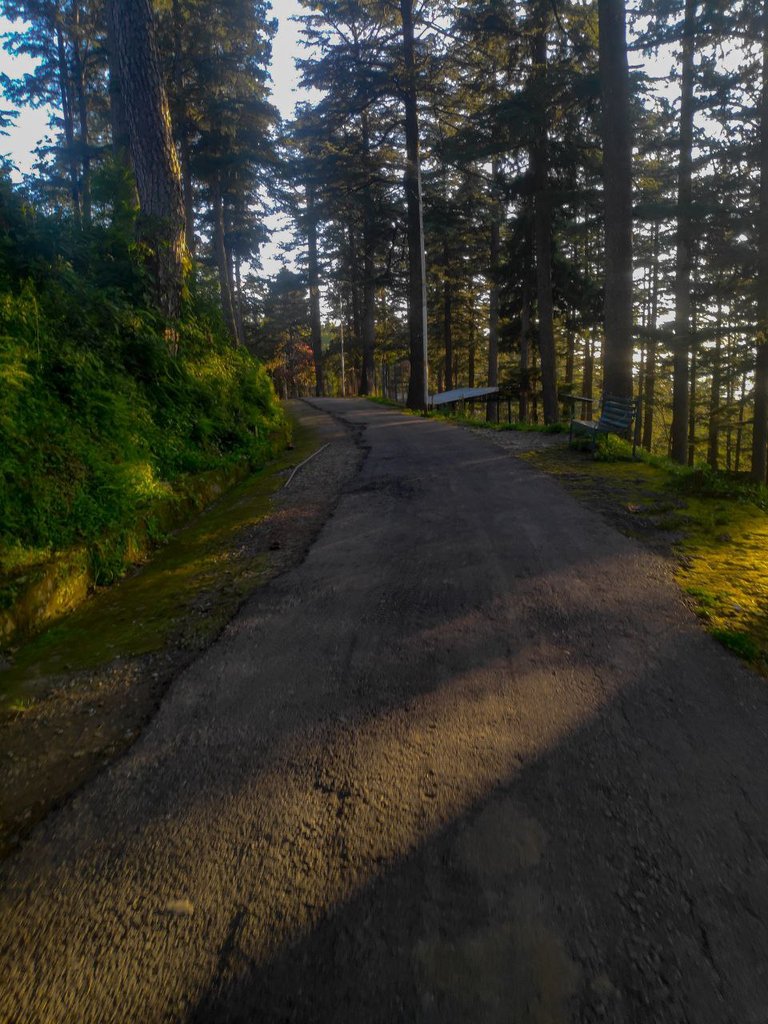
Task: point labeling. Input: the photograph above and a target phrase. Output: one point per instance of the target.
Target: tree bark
(713, 446)
(121, 140)
(367, 377)
(182, 129)
(760, 432)
(355, 333)
(543, 228)
(78, 78)
(692, 409)
(525, 351)
(649, 391)
(681, 370)
(588, 384)
(153, 153)
(493, 274)
(471, 348)
(617, 182)
(313, 273)
(238, 296)
(447, 320)
(67, 115)
(222, 258)
(417, 285)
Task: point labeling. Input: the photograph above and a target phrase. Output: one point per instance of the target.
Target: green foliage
(704, 482)
(739, 643)
(103, 410)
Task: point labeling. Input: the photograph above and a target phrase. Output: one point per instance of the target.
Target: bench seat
(617, 416)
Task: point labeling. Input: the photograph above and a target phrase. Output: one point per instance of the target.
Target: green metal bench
(617, 416)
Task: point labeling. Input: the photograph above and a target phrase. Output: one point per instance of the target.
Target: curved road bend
(473, 760)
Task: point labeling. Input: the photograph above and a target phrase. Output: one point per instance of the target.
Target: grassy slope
(716, 524)
(201, 570)
(107, 419)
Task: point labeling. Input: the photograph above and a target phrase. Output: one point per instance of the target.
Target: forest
(555, 197)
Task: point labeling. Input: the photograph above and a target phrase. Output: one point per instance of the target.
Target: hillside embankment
(76, 696)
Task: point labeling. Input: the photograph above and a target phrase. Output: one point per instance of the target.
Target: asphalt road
(472, 760)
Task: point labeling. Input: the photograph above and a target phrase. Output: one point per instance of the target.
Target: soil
(58, 729)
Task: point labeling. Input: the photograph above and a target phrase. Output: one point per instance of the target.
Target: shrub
(98, 415)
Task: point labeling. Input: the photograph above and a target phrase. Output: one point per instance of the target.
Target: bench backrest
(617, 414)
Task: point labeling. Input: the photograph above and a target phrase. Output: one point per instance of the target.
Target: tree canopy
(565, 198)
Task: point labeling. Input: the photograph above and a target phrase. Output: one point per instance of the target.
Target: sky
(286, 94)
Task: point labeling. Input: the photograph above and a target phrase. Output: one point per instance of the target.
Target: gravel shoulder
(472, 760)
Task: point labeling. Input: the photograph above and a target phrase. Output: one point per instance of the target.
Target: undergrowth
(103, 410)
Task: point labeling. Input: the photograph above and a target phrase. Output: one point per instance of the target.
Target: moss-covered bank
(114, 424)
(143, 611)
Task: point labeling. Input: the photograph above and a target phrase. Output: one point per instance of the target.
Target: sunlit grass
(717, 524)
(167, 596)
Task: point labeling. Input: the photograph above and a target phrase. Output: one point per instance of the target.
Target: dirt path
(473, 760)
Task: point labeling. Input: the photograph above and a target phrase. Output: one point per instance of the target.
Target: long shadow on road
(402, 789)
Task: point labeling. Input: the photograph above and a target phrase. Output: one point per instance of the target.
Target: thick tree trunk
(649, 392)
(730, 374)
(367, 377)
(182, 129)
(356, 331)
(447, 322)
(153, 153)
(68, 119)
(692, 409)
(525, 351)
(238, 292)
(118, 119)
(715, 399)
(78, 78)
(493, 299)
(742, 424)
(588, 385)
(543, 229)
(313, 273)
(617, 182)
(222, 258)
(417, 285)
(472, 348)
(230, 258)
(570, 357)
(760, 432)
(681, 370)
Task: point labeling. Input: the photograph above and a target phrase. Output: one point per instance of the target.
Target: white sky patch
(286, 93)
(31, 125)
